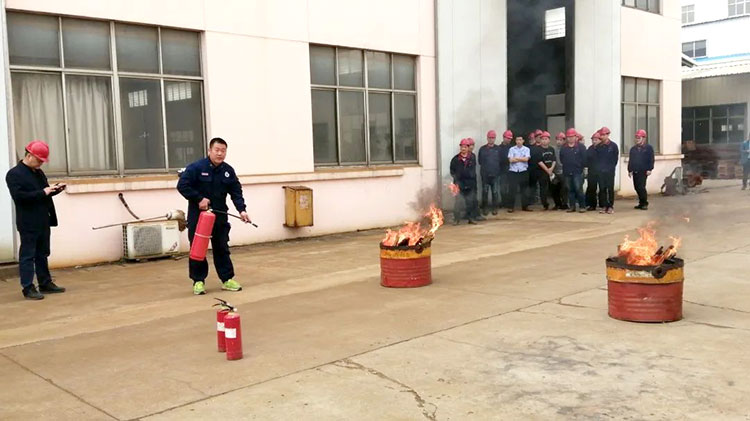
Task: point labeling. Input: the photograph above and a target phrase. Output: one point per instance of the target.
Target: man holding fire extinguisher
(205, 184)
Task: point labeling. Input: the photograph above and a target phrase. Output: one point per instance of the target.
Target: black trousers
(745, 173)
(222, 262)
(490, 185)
(541, 180)
(469, 209)
(504, 186)
(519, 183)
(32, 258)
(592, 184)
(607, 189)
(559, 191)
(639, 183)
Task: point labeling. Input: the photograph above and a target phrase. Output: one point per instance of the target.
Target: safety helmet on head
(39, 149)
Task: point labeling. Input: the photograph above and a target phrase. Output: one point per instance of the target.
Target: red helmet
(560, 135)
(39, 149)
(465, 142)
(596, 135)
(491, 134)
(640, 133)
(538, 132)
(508, 134)
(470, 140)
(604, 130)
(571, 132)
(532, 135)
(545, 134)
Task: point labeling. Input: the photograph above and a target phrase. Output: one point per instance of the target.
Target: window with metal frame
(364, 106)
(688, 14)
(554, 23)
(695, 49)
(714, 124)
(641, 101)
(653, 6)
(738, 7)
(108, 97)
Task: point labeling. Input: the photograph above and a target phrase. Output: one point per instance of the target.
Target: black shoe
(50, 288)
(526, 209)
(555, 207)
(456, 222)
(644, 207)
(485, 212)
(591, 208)
(494, 211)
(32, 294)
(472, 222)
(546, 207)
(637, 207)
(510, 210)
(479, 218)
(571, 210)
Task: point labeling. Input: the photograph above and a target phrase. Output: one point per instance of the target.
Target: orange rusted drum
(405, 266)
(645, 293)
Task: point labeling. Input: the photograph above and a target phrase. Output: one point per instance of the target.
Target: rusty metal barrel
(405, 266)
(645, 293)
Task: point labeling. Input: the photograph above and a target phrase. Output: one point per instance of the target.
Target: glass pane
(630, 3)
(405, 111)
(687, 113)
(378, 70)
(90, 125)
(653, 6)
(628, 89)
(322, 65)
(142, 129)
(653, 128)
(719, 111)
(38, 114)
(33, 40)
(641, 90)
(180, 52)
(324, 127)
(737, 110)
(628, 127)
(184, 115)
(381, 142)
(86, 44)
(702, 112)
(137, 48)
(352, 115)
(641, 4)
(701, 131)
(641, 122)
(719, 129)
(700, 49)
(653, 91)
(736, 130)
(687, 49)
(350, 67)
(403, 72)
(687, 131)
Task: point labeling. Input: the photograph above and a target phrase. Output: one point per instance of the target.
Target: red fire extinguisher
(229, 331)
(202, 235)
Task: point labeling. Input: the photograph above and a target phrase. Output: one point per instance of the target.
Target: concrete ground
(515, 326)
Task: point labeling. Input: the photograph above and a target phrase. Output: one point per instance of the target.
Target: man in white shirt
(519, 156)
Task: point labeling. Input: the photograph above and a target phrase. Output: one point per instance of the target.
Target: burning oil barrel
(644, 284)
(405, 266)
(405, 255)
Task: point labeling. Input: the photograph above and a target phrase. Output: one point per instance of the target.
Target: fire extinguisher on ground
(228, 330)
(202, 235)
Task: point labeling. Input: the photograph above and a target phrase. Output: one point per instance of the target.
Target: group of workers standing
(525, 168)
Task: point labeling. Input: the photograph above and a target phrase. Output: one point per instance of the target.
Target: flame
(453, 187)
(414, 232)
(645, 250)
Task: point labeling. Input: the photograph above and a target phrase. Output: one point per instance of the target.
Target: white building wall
(257, 96)
(472, 75)
(7, 224)
(724, 39)
(650, 48)
(707, 10)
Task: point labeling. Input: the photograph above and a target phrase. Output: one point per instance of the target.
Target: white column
(7, 230)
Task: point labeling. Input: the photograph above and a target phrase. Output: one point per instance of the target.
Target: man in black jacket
(640, 165)
(489, 163)
(607, 157)
(544, 161)
(206, 183)
(464, 172)
(592, 176)
(35, 214)
(503, 178)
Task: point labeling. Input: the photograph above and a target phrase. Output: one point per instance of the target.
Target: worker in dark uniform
(573, 158)
(543, 166)
(205, 184)
(558, 188)
(489, 169)
(503, 179)
(607, 157)
(592, 174)
(640, 165)
(464, 172)
(745, 161)
(35, 214)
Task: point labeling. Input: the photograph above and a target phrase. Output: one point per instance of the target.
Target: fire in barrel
(405, 254)
(644, 280)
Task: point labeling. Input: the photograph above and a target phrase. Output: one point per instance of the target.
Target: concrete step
(8, 271)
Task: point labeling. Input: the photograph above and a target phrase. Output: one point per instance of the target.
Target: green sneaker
(199, 288)
(231, 285)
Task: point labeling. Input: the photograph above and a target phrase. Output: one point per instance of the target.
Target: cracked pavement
(514, 326)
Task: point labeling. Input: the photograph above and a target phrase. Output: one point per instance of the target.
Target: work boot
(581, 210)
(50, 288)
(527, 209)
(510, 210)
(637, 207)
(644, 207)
(231, 285)
(485, 211)
(480, 218)
(494, 211)
(472, 222)
(591, 208)
(199, 288)
(32, 294)
(571, 210)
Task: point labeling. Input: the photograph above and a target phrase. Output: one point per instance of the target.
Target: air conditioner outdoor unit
(142, 240)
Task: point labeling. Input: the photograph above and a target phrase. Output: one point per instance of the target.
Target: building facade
(363, 104)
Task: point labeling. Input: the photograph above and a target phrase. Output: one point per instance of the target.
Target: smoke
(424, 199)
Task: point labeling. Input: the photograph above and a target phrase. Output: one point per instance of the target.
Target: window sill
(169, 181)
(659, 157)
